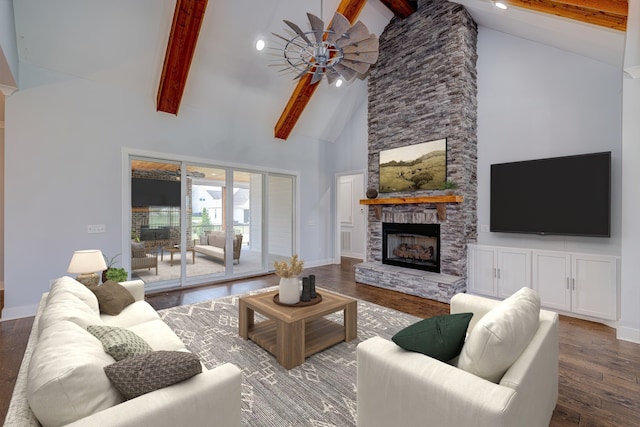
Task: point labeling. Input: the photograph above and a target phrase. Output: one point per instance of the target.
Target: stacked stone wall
(423, 88)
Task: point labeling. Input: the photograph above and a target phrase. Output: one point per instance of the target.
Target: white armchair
(403, 388)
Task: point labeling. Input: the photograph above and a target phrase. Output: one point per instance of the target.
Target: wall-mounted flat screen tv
(568, 196)
(154, 192)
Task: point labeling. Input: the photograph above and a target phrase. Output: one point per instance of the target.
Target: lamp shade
(87, 261)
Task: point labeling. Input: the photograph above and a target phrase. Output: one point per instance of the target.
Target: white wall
(64, 139)
(535, 101)
(630, 285)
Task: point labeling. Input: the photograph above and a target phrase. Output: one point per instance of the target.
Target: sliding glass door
(200, 223)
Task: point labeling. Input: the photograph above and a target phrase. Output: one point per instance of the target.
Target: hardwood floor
(599, 375)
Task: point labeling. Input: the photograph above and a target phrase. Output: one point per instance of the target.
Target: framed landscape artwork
(414, 167)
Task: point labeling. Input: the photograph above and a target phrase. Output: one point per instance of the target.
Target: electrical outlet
(97, 228)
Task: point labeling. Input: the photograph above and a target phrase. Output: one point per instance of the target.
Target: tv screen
(154, 192)
(568, 196)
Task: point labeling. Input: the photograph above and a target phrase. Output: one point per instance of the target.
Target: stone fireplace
(423, 88)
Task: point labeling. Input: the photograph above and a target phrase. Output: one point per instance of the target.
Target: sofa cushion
(440, 337)
(142, 374)
(64, 386)
(67, 306)
(68, 285)
(158, 335)
(112, 297)
(118, 342)
(133, 314)
(501, 335)
(216, 240)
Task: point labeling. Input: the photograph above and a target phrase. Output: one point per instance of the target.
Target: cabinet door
(514, 271)
(594, 286)
(481, 274)
(551, 277)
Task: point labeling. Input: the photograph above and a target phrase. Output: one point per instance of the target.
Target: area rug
(320, 392)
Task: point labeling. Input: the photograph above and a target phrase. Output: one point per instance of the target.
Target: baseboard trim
(628, 334)
(12, 313)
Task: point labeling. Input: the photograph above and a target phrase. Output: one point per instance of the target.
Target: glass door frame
(183, 280)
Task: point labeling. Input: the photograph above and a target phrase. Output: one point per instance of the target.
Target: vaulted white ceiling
(122, 43)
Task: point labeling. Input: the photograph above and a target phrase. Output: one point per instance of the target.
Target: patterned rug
(320, 392)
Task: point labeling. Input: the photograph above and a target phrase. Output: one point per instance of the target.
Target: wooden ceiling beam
(605, 13)
(187, 20)
(401, 8)
(304, 89)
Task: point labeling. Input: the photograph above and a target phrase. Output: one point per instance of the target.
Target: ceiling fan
(342, 52)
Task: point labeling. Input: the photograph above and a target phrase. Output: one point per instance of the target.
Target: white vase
(289, 290)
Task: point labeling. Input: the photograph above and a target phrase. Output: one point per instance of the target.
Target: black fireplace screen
(411, 245)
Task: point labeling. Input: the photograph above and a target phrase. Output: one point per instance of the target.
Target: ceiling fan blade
(368, 45)
(332, 76)
(317, 75)
(360, 67)
(368, 57)
(346, 73)
(338, 26)
(298, 31)
(302, 73)
(355, 34)
(317, 26)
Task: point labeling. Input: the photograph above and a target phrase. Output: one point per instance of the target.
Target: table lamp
(85, 263)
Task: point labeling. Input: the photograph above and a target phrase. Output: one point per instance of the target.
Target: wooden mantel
(439, 201)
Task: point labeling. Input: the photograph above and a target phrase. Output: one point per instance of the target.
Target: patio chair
(143, 258)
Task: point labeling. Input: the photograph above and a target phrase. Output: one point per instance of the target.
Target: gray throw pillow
(118, 342)
(142, 374)
(112, 297)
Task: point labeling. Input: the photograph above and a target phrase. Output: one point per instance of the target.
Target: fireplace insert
(411, 246)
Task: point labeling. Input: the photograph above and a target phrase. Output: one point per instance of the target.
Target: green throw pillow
(440, 337)
(112, 297)
(142, 374)
(118, 342)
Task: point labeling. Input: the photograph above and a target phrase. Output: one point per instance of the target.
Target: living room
(85, 102)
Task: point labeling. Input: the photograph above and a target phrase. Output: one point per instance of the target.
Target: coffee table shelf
(293, 333)
(319, 335)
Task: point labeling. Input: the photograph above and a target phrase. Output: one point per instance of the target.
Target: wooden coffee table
(293, 333)
(173, 250)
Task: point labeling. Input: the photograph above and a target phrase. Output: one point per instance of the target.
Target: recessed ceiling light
(260, 44)
(339, 82)
(500, 5)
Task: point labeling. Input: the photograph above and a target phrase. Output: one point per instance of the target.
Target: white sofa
(403, 388)
(75, 360)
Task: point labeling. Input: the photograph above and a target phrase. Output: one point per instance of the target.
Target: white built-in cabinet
(498, 271)
(584, 284)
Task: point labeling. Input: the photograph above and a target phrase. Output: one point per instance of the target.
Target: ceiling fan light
(500, 4)
(260, 44)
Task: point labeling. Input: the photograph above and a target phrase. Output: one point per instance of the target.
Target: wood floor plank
(598, 374)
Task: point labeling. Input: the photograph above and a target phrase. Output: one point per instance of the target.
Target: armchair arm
(136, 288)
(402, 388)
(212, 397)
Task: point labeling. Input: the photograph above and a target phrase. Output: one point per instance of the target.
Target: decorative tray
(313, 301)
